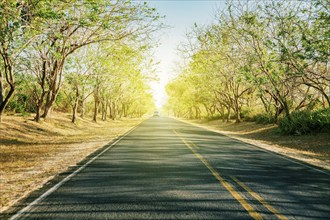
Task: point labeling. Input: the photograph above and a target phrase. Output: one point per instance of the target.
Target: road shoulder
(303, 156)
(33, 155)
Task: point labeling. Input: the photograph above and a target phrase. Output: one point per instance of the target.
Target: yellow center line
(230, 189)
(260, 199)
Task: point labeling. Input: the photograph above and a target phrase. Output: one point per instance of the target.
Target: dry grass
(33, 153)
(313, 149)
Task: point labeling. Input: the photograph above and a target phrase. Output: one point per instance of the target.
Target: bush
(246, 115)
(213, 117)
(304, 122)
(264, 119)
(20, 103)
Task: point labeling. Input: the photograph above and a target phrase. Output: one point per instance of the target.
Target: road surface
(167, 169)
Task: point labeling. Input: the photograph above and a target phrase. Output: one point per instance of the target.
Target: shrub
(213, 117)
(19, 103)
(264, 119)
(322, 119)
(248, 115)
(304, 122)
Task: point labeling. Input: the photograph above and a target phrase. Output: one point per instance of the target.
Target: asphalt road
(167, 169)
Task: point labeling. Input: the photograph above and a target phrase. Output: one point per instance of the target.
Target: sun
(159, 93)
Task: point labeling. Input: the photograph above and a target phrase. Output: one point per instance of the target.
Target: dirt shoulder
(313, 149)
(33, 153)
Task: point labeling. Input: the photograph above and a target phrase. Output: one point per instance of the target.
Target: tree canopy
(267, 58)
(57, 52)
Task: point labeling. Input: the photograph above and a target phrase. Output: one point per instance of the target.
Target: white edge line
(288, 158)
(260, 148)
(58, 185)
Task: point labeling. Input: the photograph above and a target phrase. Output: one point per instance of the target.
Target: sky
(180, 15)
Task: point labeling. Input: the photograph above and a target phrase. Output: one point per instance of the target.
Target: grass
(312, 148)
(33, 153)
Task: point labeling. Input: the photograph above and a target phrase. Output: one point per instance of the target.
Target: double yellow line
(253, 213)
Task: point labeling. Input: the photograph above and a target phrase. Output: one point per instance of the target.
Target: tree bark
(75, 106)
(39, 106)
(237, 112)
(96, 106)
(55, 84)
(74, 112)
(4, 103)
(82, 108)
(104, 110)
(228, 114)
(9, 75)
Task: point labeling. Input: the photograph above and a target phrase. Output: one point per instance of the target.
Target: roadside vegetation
(74, 72)
(261, 61)
(76, 56)
(65, 65)
(32, 153)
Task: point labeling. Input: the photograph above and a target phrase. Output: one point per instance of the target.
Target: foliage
(41, 43)
(304, 122)
(271, 59)
(263, 119)
(22, 101)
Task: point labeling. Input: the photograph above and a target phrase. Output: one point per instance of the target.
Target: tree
(16, 34)
(74, 27)
(272, 57)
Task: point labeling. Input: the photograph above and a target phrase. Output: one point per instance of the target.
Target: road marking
(224, 183)
(275, 153)
(260, 199)
(66, 179)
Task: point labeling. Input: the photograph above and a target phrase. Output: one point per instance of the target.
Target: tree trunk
(9, 74)
(95, 112)
(110, 109)
(278, 111)
(74, 111)
(237, 116)
(54, 87)
(82, 108)
(47, 110)
(237, 112)
(38, 116)
(197, 111)
(287, 111)
(104, 111)
(114, 109)
(47, 105)
(124, 109)
(96, 105)
(266, 106)
(75, 106)
(82, 103)
(1, 91)
(228, 114)
(120, 111)
(3, 103)
(208, 110)
(221, 111)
